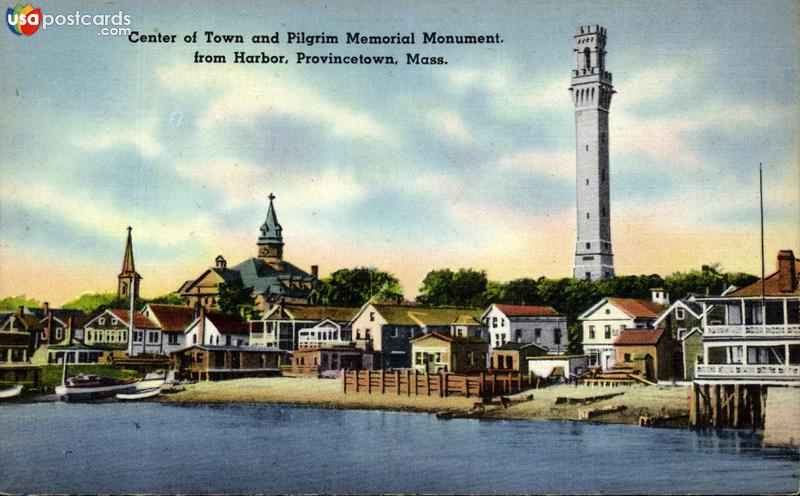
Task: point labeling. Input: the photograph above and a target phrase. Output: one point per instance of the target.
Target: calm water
(149, 447)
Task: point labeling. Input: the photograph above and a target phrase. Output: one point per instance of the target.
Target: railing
(747, 331)
(758, 371)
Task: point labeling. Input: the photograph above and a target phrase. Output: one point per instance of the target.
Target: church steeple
(128, 277)
(270, 243)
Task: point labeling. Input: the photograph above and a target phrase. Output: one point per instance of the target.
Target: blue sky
(405, 168)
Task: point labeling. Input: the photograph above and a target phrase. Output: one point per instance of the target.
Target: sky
(400, 167)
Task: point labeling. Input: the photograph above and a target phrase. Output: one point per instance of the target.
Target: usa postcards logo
(24, 20)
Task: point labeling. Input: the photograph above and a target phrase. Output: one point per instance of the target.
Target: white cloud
(142, 135)
(242, 98)
(450, 124)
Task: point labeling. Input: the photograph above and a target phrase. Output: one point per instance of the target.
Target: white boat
(10, 392)
(140, 394)
(92, 387)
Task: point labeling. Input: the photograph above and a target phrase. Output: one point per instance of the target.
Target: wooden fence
(407, 382)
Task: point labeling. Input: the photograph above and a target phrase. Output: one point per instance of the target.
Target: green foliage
(354, 287)
(709, 279)
(12, 303)
(91, 303)
(168, 299)
(465, 288)
(574, 339)
(235, 299)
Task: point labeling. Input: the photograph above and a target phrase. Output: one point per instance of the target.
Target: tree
(91, 303)
(520, 292)
(235, 299)
(12, 303)
(465, 288)
(168, 299)
(354, 287)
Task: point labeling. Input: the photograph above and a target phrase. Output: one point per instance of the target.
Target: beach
(327, 393)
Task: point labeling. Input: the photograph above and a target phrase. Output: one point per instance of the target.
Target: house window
(502, 322)
(152, 337)
(367, 334)
(358, 334)
(101, 321)
(557, 336)
(627, 357)
(608, 311)
(591, 332)
(537, 335)
(608, 332)
(172, 339)
(113, 321)
(680, 314)
(418, 358)
(372, 316)
(137, 336)
(59, 332)
(194, 339)
(227, 340)
(494, 321)
(395, 332)
(125, 336)
(517, 335)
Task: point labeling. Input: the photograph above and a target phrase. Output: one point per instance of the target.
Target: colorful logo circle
(23, 20)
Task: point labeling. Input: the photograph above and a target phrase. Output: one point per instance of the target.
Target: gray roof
(266, 279)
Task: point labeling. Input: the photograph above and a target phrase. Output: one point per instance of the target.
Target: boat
(92, 387)
(11, 392)
(140, 394)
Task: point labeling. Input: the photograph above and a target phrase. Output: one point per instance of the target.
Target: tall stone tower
(270, 243)
(128, 279)
(591, 92)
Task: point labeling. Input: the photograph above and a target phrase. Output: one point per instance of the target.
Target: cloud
(450, 124)
(244, 184)
(142, 136)
(554, 164)
(242, 98)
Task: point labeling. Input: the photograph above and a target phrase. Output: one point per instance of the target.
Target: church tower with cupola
(128, 279)
(270, 242)
(591, 93)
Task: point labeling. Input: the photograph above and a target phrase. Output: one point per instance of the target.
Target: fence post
(344, 380)
(482, 384)
(441, 385)
(416, 382)
(408, 382)
(369, 381)
(383, 381)
(428, 383)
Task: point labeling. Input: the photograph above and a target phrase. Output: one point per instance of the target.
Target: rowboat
(92, 387)
(10, 392)
(140, 394)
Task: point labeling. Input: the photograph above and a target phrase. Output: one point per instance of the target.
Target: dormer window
(113, 321)
(101, 321)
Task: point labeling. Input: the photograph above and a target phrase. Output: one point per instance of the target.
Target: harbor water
(160, 448)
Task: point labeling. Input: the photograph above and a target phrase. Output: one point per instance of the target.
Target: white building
(280, 327)
(603, 322)
(324, 334)
(216, 329)
(173, 321)
(540, 325)
(758, 340)
(591, 93)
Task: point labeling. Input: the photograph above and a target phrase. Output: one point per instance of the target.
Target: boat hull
(67, 393)
(10, 392)
(139, 394)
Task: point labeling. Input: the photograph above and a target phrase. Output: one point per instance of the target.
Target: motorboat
(92, 387)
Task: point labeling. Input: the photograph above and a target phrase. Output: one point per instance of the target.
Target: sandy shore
(326, 393)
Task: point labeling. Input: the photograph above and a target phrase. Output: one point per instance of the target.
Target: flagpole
(761, 204)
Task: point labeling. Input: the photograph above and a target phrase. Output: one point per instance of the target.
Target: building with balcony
(291, 327)
(758, 338)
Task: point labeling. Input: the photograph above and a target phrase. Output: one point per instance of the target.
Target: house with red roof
(110, 330)
(606, 319)
(541, 325)
(647, 351)
(216, 329)
(173, 320)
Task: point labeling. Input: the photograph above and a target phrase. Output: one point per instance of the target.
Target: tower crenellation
(592, 91)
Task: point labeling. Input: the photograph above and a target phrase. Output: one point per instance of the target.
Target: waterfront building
(58, 338)
(18, 335)
(283, 325)
(434, 352)
(541, 325)
(647, 352)
(606, 319)
(387, 329)
(172, 320)
(514, 356)
(212, 362)
(216, 329)
(591, 90)
(272, 279)
(557, 367)
(758, 340)
(329, 361)
(691, 352)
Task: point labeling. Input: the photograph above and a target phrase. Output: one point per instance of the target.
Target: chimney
(197, 306)
(221, 262)
(201, 326)
(20, 311)
(315, 271)
(46, 308)
(69, 331)
(659, 296)
(787, 272)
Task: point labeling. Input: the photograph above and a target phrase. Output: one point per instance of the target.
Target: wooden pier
(407, 382)
(727, 405)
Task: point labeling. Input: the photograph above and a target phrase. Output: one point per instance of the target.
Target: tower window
(587, 182)
(587, 58)
(603, 175)
(588, 246)
(587, 215)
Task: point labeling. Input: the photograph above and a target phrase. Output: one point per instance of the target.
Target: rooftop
(527, 310)
(639, 337)
(636, 308)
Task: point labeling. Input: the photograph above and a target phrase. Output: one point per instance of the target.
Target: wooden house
(329, 361)
(541, 325)
(19, 333)
(434, 352)
(212, 362)
(647, 351)
(514, 356)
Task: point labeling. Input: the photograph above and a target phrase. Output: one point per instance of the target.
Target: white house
(758, 340)
(567, 366)
(281, 325)
(216, 329)
(603, 322)
(324, 334)
(173, 321)
(540, 325)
